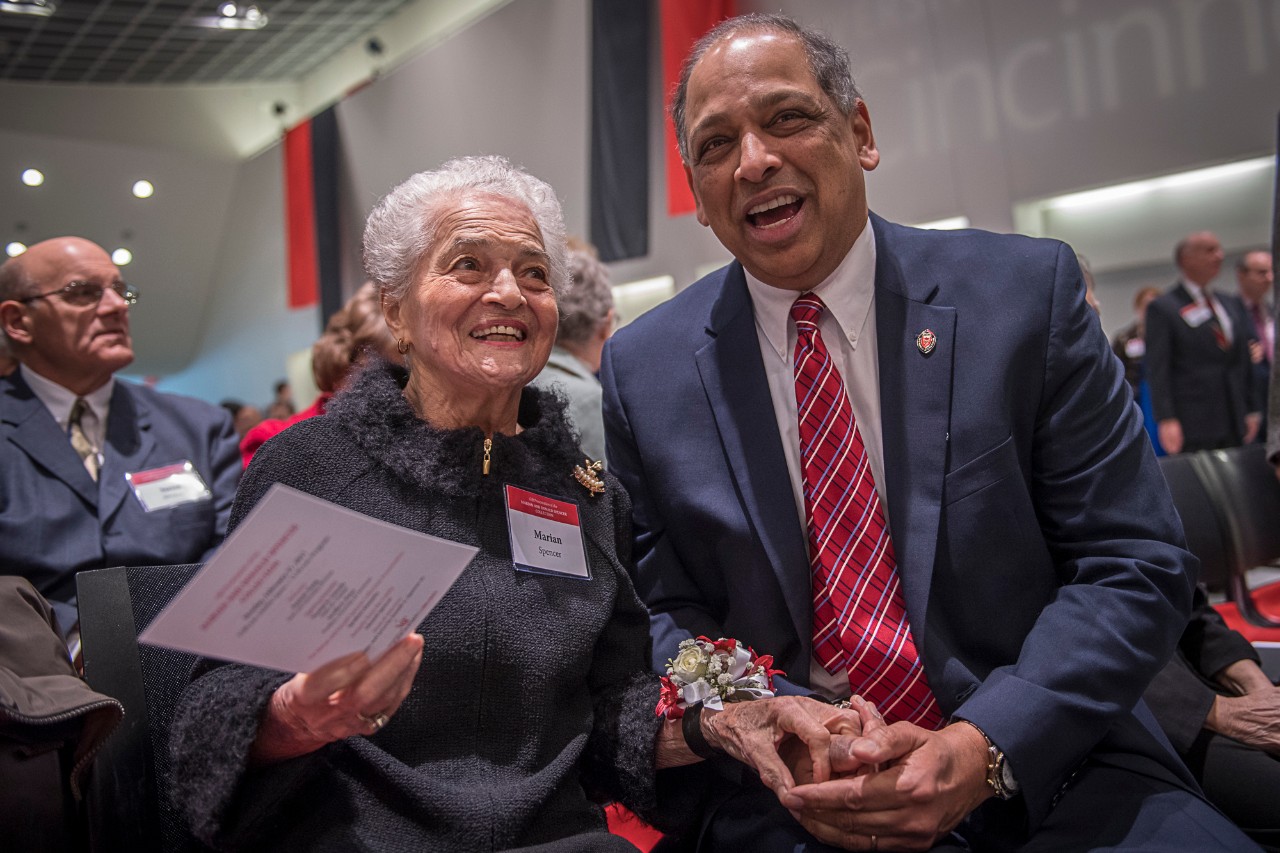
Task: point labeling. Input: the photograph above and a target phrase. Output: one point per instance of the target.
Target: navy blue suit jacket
(56, 521)
(1039, 551)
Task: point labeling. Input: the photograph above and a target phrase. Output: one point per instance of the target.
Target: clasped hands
(853, 780)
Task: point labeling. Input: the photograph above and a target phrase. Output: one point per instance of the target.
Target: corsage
(707, 673)
(710, 673)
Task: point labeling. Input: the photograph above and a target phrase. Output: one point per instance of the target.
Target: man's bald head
(51, 327)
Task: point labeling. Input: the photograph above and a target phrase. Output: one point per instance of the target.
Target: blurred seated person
(70, 434)
(281, 406)
(586, 321)
(1222, 715)
(244, 416)
(354, 330)
(523, 697)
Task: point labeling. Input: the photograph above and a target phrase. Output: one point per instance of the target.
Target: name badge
(1196, 315)
(546, 534)
(1135, 348)
(168, 486)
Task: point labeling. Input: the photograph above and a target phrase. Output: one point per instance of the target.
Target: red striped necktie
(859, 619)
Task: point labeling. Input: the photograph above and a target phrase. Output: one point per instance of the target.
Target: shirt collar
(848, 294)
(59, 400)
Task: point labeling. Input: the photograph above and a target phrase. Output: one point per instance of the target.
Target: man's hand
(929, 782)
(1243, 676)
(1169, 431)
(1252, 719)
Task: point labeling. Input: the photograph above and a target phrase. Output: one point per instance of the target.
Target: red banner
(300, 221)
(683, 23)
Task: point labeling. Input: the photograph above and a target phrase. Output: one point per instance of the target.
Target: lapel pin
(926, 341)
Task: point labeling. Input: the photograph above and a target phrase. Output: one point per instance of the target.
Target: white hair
(402, 227)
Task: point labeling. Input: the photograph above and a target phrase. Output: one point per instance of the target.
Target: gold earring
(401, 346)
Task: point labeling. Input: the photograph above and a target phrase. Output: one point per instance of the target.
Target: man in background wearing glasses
(96, 472)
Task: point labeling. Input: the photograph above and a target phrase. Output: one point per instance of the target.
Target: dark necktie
(79, 440)
(859, 619)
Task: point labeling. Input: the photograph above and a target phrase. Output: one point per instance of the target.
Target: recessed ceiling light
(120, 257)
(42, 8)
(32, 177)
(143, 189)
(234, 16)
(15, 248)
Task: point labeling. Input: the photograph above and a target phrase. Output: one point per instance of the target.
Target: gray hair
(402, 227)
(828, 62)
(588, 300)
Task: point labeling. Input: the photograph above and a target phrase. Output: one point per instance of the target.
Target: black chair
(1202, 521)
(126, 799)
(1247, 493)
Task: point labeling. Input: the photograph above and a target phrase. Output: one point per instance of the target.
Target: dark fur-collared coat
(534, 700)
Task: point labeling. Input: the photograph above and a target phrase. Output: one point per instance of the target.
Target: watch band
(691, 728)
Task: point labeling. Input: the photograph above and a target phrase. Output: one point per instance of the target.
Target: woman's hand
(345, 697)
(753, 732)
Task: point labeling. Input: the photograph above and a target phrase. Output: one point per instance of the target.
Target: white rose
(689, 665)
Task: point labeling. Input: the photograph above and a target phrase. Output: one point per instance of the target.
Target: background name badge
(168, 486)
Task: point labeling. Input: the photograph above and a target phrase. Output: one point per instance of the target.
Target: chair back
(127, 803)
(1202, 520)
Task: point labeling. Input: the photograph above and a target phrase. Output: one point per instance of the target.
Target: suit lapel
(129, 444)
(733, 377)
(915, 402)
(37, 434)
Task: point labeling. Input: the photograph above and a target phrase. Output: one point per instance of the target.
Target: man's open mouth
(774, 211)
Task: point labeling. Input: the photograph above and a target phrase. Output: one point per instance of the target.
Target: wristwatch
(999, 776)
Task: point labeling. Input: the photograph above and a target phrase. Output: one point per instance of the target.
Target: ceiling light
(952, 223)
(1107, 195)
(234, 16)
(120, 257)
(143, 189)
(42, 8)
(32, 177)
(15, 248)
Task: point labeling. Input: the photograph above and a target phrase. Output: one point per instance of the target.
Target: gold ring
(376, 722)
(875, 844)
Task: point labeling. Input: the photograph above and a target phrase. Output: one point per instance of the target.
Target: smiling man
(85, 460)
(908, 467)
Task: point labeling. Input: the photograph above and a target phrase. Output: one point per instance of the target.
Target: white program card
(302, 582)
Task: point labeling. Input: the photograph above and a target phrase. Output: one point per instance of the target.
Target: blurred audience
(356, 329)
(1255, 280)
(586, 321)
(1129, 343)
(281, 406)
(244, 416)
(77, 446)
(1197, 356)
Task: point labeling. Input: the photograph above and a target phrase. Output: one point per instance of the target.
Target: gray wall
(977, 106)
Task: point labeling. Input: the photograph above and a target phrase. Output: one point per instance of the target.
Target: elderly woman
(525, 698)
(586, 321)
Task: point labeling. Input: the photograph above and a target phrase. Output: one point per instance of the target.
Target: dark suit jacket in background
(1208, 389)
(56, 521)
(1037, 545)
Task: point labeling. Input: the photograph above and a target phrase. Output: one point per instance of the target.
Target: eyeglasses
(85, 293)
